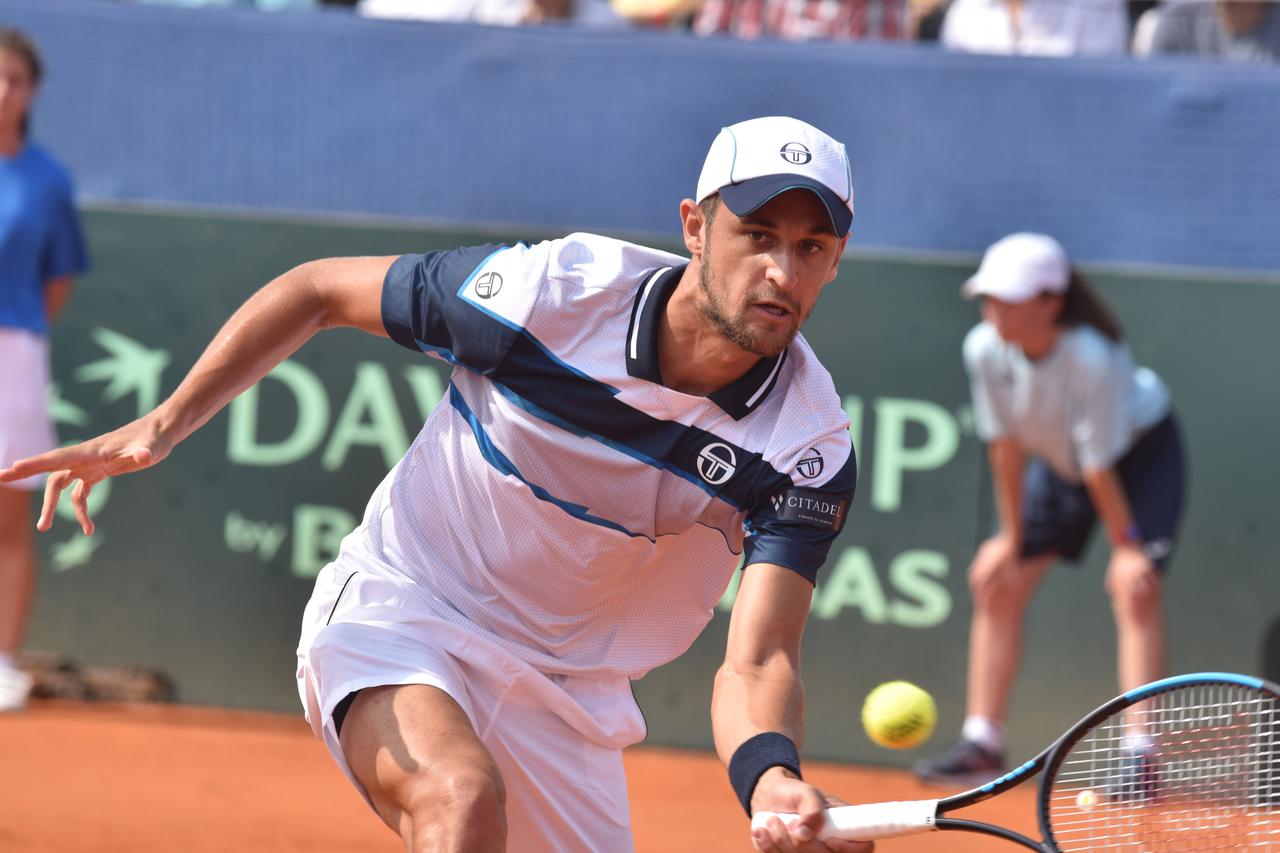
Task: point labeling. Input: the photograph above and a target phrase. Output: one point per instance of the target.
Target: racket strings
(1196, 768)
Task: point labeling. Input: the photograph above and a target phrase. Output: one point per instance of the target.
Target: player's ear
(835, 265)
(693, 224)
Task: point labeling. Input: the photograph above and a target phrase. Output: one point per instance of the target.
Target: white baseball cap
(1019, 267)
(752, 161)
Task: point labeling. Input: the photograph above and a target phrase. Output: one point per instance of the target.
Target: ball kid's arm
(1007, 460)
(1107, 493)
(263, 332)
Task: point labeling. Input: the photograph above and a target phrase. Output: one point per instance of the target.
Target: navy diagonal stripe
(499, 460)
(547, 388)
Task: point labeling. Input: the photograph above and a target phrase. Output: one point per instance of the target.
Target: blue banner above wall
(1168, 162)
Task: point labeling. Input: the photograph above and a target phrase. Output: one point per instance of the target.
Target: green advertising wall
(201, 566)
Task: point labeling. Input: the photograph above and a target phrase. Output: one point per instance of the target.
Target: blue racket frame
(1050, 758)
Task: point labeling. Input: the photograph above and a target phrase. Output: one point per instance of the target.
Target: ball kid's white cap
(752, 161)
(1019, 267)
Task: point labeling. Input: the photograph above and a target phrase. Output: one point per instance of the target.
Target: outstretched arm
(263, 332)
(758, 690)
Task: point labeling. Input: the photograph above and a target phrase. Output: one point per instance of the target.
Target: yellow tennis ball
(1086, 799)
(899, 715)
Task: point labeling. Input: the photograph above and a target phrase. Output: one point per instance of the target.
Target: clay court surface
(157, 779)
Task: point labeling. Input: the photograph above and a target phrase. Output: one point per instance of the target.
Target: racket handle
(869, 822)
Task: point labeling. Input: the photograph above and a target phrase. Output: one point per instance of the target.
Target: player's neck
(694, 356)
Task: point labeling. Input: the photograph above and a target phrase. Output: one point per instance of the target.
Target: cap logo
(795, 154)
(488, 285)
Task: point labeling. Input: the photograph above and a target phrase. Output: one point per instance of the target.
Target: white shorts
(557, 740)
(25, 428)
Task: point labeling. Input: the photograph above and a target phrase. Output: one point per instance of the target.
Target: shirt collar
(739, 398)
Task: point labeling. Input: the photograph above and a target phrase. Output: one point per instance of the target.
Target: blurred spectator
(801, 20)
(1138, 8)
(502, 12)
(926, 19)
(1038, 27)
(1235, 30)
(41, 250)
(1144, 29)
(498, 12)
(264, 5)
(676, 14)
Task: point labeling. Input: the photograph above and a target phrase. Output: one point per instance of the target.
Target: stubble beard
(734, 326)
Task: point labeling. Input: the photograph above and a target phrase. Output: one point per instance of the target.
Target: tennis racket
(1187, 763)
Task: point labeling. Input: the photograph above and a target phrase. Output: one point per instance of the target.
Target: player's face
(17, 88)
(761, 274)
(1023, 323)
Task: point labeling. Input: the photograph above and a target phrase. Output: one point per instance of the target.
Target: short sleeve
(1100, 429)
(988, 421)
(796, 523)
(64, 252)
(465, 306)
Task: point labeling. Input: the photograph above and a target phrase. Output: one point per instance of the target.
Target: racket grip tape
(869, 822)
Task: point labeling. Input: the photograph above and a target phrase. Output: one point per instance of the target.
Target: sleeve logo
(488, 285)
(811, 465)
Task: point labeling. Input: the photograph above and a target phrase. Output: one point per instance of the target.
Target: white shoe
(14, 687)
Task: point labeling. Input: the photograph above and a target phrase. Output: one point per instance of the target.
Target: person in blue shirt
(41, 251)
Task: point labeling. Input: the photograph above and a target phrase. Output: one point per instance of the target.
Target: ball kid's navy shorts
(1058, 517)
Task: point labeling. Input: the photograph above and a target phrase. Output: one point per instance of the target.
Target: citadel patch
(808, 505)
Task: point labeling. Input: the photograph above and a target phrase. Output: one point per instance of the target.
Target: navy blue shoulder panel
(794, 526)
(421, 308)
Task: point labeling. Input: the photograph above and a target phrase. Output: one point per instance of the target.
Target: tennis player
(622, 427)
(1076, 433)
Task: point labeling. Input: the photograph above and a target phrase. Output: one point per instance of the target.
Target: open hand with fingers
(779, 791)
(132, 447)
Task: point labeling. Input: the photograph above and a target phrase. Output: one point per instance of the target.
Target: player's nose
(782, 271)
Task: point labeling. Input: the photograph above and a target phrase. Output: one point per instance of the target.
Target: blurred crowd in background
(1233, 30)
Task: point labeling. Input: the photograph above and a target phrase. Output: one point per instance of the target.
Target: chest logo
(811, 465)
(488, 285)
(717, 462)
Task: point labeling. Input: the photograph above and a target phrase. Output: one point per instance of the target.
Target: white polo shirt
(1080, 407)
(560, 499)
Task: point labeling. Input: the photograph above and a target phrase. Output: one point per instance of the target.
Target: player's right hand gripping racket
(1188, 763)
